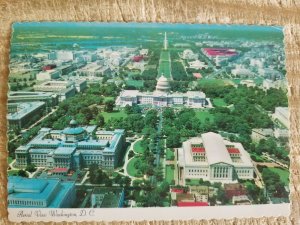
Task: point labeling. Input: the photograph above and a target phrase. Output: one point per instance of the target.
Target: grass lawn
(138, 148)
(169, 174)
(192, 182)
(12, 172)
(108, 98)
(131, 170)
(9, 160)
(215, 82)
(203, 115)
(116, 114)
(170, 154)
(284, 174)
(219, 102)
(164, 64)
(135, 83)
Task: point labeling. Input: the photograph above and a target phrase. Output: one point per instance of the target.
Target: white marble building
(162, 97)
(213, 158)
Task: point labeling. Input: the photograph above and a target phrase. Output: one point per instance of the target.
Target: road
(158, 150)
(280, 164)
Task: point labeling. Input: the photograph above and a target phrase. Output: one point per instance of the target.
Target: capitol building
(74, 147)
(163, 97)
(215, 159)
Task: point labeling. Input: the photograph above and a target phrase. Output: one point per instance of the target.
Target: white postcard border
(140, 214)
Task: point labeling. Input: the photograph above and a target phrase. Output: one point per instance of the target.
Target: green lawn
(138, 148)
(108, 98)
(117, 114)
(164, 64)
(165, 55)
(219, 102)
(131, 170)
(135, 83)
(170, 154)
(284, 174)
(9, 160)
(215, 82)
(169, 174)
(12, 172)
(193, 182)
(203, 115)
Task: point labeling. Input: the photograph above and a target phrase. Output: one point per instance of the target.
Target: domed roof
(162, 84)
(73, 130)
(73, 122)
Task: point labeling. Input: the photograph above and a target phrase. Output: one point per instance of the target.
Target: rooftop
(38, 189)
(64, 150)
(216, 150)
(23, 109)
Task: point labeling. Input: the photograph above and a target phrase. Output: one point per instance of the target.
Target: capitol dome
(162, 84)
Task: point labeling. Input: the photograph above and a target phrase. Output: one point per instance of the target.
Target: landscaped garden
(169, 173)
(170, 154)
(204, 116)
(116, 114)
(131, 170)
(219, 102)
(137, 147)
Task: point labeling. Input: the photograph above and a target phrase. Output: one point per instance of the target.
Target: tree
(126, 181)
(173, 140)
(22, 173)
(109, 106)
(158, 173)
(100, 120)
(93, 172)
(30, 168)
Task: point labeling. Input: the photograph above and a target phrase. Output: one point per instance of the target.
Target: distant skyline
(150, 25)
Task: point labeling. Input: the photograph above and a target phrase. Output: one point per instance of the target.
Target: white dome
(162, 84)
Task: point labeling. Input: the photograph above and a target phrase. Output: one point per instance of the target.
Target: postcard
(145, 121)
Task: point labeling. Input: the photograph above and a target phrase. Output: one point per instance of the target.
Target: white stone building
(282, 115)
(162, 97)
(213, 158)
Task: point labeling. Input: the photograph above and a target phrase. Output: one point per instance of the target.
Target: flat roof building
(48, 74)
(40, 193)
(72, 148)
(24, 114)
(64, 89)
(51, 99)
(213, 158)
(107, 197)
(282, 115)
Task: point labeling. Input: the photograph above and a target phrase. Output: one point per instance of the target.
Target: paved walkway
(86, 176)
(125, 173)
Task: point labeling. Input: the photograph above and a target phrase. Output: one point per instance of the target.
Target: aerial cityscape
(113, 115)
